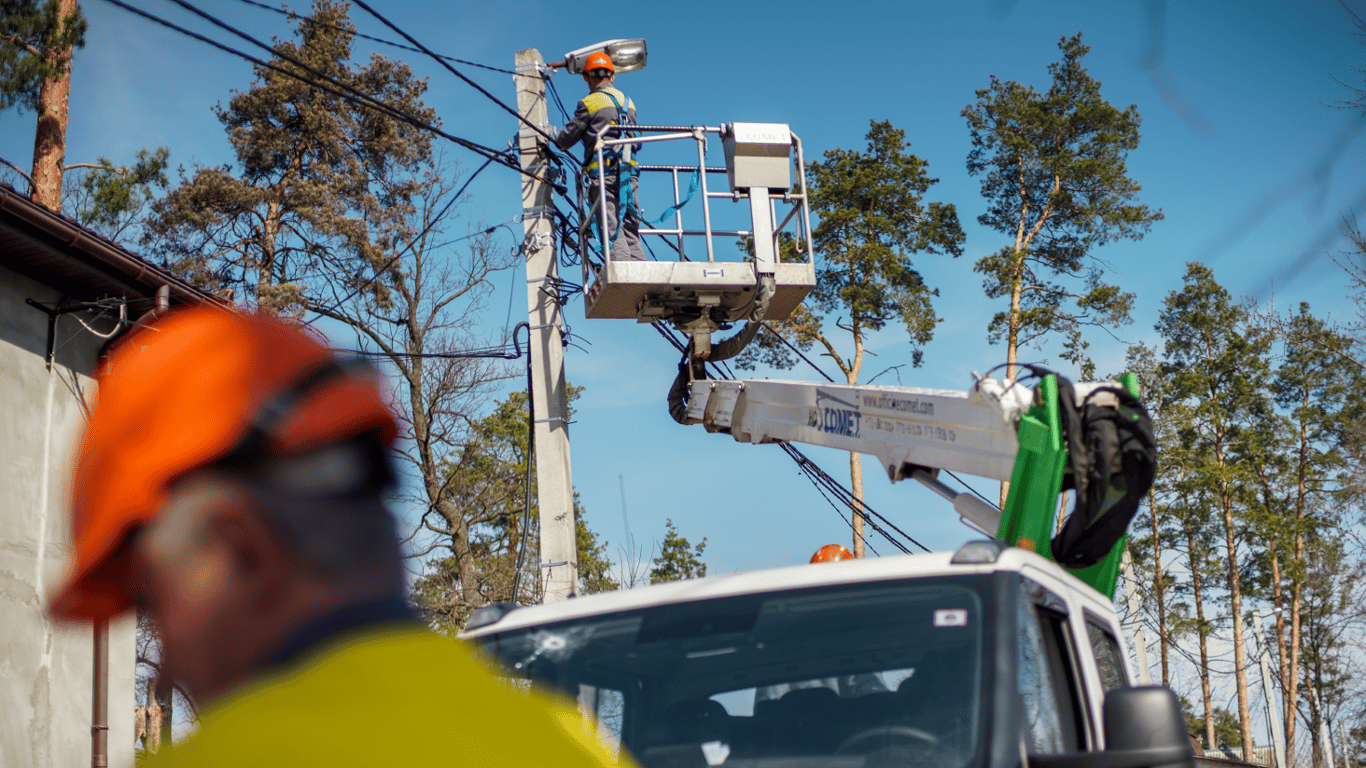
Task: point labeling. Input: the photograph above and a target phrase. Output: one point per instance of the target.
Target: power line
(392, 111)
(291, 14)
(819, 477)
(409, 247)
(789, 345)
(479, 149)
(455, 71)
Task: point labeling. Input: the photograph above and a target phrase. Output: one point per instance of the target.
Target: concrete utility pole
(1342, 739)
(1145, 676)
(549, 395)
(1272, 717)
(1325, 740)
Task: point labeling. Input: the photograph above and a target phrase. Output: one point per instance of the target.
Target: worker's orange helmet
(188, 393)
(830, 553)
(599, 60)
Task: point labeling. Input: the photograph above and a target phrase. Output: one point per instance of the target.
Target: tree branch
(17, 170)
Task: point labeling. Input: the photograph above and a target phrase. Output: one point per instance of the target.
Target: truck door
(1053, 716)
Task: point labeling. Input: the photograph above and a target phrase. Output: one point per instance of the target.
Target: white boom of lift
(911, 431)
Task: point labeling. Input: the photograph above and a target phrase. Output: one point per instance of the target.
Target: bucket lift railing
(795, 195)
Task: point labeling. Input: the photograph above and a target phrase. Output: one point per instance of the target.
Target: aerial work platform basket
(681, 287)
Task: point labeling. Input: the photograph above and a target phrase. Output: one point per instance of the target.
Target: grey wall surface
(45, 668)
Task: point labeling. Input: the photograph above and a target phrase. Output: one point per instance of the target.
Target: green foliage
(33, 39)
(1053, 168)
(873, 217)
(111, 198)
(1226, 734)
(322, 189)
(487, 484)
(678, 559)
(595, 568)
(1217, 362)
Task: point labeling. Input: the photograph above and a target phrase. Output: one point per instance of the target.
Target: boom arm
(1004, 431)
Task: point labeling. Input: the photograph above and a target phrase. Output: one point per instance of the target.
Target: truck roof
(792, 577)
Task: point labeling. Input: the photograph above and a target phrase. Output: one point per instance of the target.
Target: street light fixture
(627, 55)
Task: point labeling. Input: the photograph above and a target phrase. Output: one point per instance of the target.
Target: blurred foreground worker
(231, 486)
(603, 107)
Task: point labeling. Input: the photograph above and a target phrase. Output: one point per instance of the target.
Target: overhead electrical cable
(479, 149)
(454, 198)
(370, 100)
(293, 15)
(798, 352)
(454, 71)
(819, 477)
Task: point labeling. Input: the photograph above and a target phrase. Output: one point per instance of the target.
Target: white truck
(989, 657)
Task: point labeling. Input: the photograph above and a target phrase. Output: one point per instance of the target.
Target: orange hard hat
(830, 553)
(599, 60)
(185, 394)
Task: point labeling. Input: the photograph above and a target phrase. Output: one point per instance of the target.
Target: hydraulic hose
(731, 347)
(679, 392)
(690, 369)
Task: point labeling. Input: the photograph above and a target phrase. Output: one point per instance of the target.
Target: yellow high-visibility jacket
(396, 696)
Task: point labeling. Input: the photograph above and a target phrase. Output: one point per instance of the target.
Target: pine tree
(873, 218)
(486, 489)
(1056, 181)
(1314, 383)
(37, 40)
(1217, 361)
(678, 559)
(317, 178)
(1151, 534)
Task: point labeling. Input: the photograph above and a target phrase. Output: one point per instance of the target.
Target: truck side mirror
(1147, 718)
(1143, 729)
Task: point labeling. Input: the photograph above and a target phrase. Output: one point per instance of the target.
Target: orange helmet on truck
(830, 553)
(204, 386)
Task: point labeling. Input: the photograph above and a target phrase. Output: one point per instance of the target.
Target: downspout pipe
(99, 710)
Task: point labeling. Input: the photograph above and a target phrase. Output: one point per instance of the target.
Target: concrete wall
(45, 669)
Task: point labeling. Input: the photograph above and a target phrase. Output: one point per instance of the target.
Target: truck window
(1047, 680)
(830, 676)
(1109, 659)
(607, 707)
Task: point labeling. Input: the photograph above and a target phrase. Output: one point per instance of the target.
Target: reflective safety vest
(399, 696)
(623, 113)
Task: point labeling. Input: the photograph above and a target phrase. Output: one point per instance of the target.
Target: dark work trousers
(626, 246)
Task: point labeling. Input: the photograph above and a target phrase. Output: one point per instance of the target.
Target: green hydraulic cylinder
(1032, 503)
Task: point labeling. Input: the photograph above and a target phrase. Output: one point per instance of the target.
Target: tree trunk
(1236, 609)
(1291, 668)
(164, 694)
(1200, 632)
(1159, 590)
(856, 458)
(1282, 662)
(49, 141)
(152, 738)
(1013, 329)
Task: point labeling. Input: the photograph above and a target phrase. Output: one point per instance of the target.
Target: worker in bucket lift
(606, 106)
(231, 486)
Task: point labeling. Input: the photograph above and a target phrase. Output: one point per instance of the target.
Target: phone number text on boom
(926, 431)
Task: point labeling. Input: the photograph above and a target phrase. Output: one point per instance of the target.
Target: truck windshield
(863, 674)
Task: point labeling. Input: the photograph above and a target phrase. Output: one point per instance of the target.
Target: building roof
(56, 251)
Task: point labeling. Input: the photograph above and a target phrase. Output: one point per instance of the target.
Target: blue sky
(1241, 149)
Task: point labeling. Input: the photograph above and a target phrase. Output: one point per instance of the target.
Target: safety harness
(611, 156)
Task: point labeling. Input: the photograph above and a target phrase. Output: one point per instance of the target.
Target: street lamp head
(626, 55)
